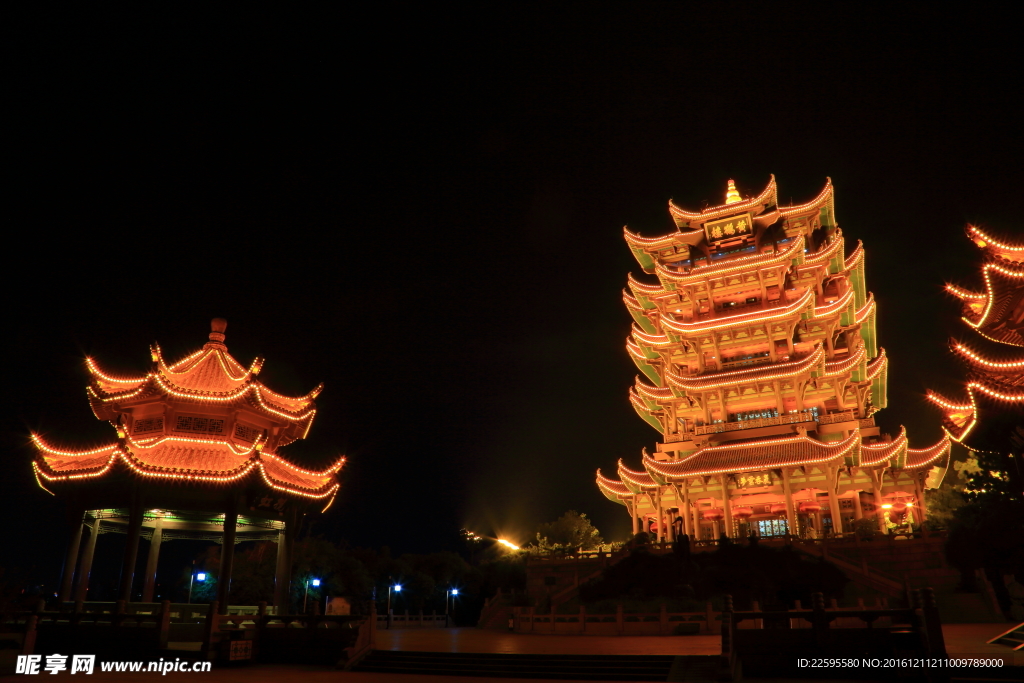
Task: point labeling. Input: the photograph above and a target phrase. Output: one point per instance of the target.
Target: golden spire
(731, 195)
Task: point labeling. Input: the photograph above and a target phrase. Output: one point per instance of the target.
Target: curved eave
(932, 456)
(846, 365)
(637, 482)
(837, 306)
(110, 385)
(999, 281)
(855, 258)
(752, 456)
(736, 265)
(865, 311)
(805, 301)
(652, 392)
(999, 248)
(682, 217)
(612, 489)
(885, 453)
(824, 255)
(707, 382)
(877, 364)
(824, 198)
(978, 363)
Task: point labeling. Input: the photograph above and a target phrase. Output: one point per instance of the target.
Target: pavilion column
(131, 549)
(787, 490)
(227, 557)
(283, 570)
(876, 489)
(82, 586)
(696, 520)
(833, 501)
(716, 529)
(152, 559)
(76, 519)
(727, 504)
(634, 516)
(858, 510)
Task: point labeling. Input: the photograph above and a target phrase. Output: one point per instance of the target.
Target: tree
(571, 531)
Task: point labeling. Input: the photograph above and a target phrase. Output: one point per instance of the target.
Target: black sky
(423, 209)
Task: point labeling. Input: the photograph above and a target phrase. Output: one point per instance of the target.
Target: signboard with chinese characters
(727, 228)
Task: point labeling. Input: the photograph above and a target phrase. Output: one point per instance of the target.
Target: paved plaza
(962, 640)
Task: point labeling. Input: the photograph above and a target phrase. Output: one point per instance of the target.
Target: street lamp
(200, 577)
(316, 584)
(452, 592)
(398, 589)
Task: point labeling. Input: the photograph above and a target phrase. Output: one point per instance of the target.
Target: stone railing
(791, 418)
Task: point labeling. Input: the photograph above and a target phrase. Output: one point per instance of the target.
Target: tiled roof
(714, 380)
(886, 452)
(681, 215)
(928, 457)
(735, 265)
(757, 455)
(639, 479)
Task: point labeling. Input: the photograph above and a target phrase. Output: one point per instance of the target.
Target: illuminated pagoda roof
(204, 419)
(993, 402)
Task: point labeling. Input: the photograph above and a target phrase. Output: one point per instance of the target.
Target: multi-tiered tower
(762, 374)
(990, 418)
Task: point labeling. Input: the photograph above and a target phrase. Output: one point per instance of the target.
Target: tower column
(661, 516)
(920, 507)
(727, 504)
(75, 520)
(685, 512)
(876, 489)
(152, 559)
(227, 557)
(858, 510)
(82, 585)
(833, 501)
(787, 490)
(131, 549)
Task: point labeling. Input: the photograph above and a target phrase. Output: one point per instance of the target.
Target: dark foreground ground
(962, 640)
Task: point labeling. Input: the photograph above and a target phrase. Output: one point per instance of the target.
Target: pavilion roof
(885, 452)
(184, 459)
(998, 312)
(754, 455)
(208, 375)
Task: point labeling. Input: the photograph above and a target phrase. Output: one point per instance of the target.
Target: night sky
(423, 209)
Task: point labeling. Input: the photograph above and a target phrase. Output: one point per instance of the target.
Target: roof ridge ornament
(732, 195)
(217, 327)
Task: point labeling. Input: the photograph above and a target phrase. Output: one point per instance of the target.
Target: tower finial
(731, 194)
(217, 327)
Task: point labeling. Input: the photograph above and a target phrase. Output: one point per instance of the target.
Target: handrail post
(210, 627)
(165, 624)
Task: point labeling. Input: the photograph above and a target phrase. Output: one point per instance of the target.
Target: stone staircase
(548, 667)
(1013, 639)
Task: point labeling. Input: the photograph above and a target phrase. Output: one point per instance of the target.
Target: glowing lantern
(713, 515)
(809, 506)
(899, 507)
(778, 509)
(742, 512)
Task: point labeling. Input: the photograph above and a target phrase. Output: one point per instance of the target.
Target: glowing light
(398, 587)
(508, 544)
(987, 363)
(731, 194)
(201, 576)
(315, 582)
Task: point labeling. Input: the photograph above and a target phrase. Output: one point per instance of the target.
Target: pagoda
(989, 417)
(197, 454)
(762, 373)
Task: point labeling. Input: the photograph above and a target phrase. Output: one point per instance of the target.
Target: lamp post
(200, 577)
(398, 589)
(452, 592)
(316, 584)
